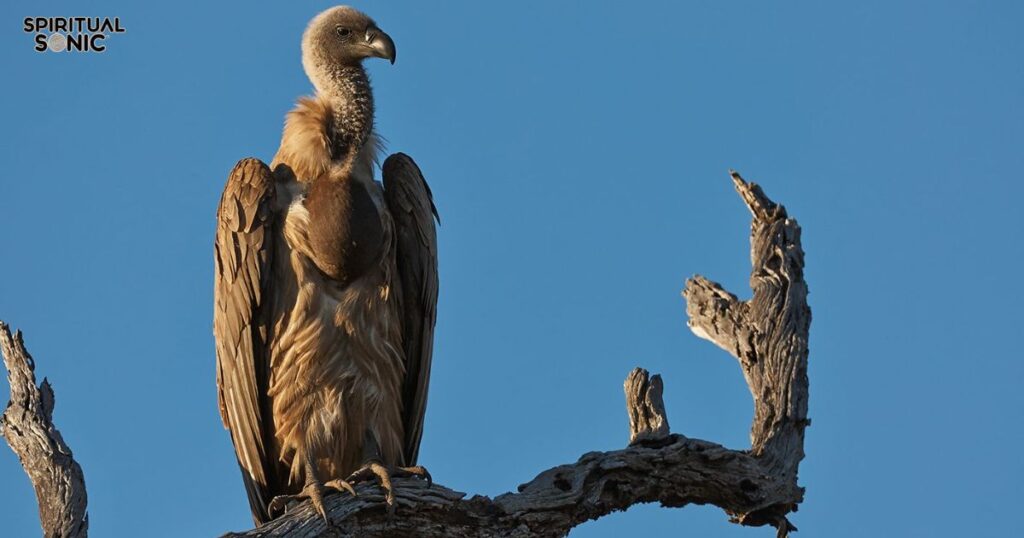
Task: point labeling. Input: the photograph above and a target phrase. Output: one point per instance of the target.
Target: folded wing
(412, 208)
(242, 254)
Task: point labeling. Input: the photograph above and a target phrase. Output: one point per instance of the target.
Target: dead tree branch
(646, 409)
(27, 425)
(768, 334)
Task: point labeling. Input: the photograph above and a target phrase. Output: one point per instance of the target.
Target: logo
(72, 34)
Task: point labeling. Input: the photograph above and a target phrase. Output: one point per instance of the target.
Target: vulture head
(342, 37)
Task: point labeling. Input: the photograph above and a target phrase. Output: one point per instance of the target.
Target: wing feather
(242, 253)
(412, 209)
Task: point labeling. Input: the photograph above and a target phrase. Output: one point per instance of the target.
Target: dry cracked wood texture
(767, 334)
(27, 425)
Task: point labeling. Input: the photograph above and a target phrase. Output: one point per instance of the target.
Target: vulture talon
(341, 485)
(374, 471)
(313, 491)
(418, 471)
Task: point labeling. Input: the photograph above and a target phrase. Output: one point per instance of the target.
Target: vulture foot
(314, 491)
(374, 471)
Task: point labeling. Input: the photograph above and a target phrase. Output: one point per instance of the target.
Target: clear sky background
(578, 156)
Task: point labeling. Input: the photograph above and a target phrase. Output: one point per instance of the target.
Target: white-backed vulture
(325, 290)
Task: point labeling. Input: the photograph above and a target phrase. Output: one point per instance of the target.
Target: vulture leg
(313, 490)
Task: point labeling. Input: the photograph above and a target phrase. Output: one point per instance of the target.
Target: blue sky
(578, 156)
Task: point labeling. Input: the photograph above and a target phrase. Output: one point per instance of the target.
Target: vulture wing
(242, 254)
(412, 209)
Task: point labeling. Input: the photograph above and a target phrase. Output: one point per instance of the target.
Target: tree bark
(767, 334)
(27, 425)
(645, 406)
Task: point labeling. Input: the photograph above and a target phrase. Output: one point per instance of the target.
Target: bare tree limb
(679, 472)
(27, 425)
(768, 334)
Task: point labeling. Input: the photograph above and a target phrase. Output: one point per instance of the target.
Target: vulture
(325, 290)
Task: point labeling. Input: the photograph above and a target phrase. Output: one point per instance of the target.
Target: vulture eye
(343, 32)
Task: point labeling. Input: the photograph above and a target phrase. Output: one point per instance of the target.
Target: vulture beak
(380, 44)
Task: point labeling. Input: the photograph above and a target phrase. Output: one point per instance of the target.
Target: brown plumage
(326, 289)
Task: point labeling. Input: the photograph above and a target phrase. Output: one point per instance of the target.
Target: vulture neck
(347, 89)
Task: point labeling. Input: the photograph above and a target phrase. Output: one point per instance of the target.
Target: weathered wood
(768, 334)
(646, 409)
(27, 425)
(680, 472)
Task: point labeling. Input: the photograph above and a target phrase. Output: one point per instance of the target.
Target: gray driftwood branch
(768, 334)
(755, 487)
(27, 425)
